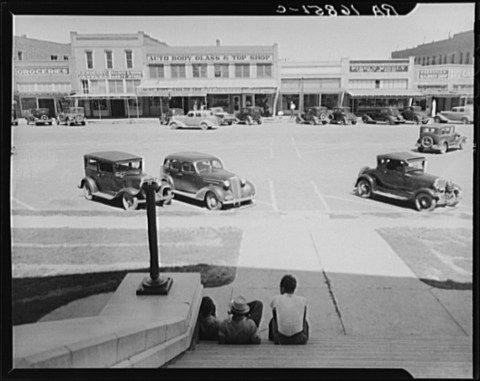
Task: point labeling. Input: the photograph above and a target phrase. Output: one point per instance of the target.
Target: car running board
(390, 195)
(103, 195)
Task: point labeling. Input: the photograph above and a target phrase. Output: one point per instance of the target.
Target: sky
(298, 38)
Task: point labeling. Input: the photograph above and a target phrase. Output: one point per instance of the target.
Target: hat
(239, 306)
(207, 307)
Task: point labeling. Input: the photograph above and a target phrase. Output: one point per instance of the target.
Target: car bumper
(238, 200)
(449, 199)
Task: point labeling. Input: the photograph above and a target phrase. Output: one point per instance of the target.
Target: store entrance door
(47, 103)
(118, 108)
(236, 103)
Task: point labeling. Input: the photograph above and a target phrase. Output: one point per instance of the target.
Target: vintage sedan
(201, 176)
(72, 116)
(313, 115)
(119, 175)
(203, 119)
(342, 115)
(439, 138)
(388, 115)
(402, 176)
(414, 114)
(250, 115)
(39, 116)
(224, 117)
(462, 114)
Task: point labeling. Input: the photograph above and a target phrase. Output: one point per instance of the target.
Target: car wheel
(204, 126)
(87, 192)
(344, 121)
(364, 119)
(427, 142)
(464, 120)
(424, 121)
(425, 202)
(129, 202)
(173, 126)
(212, 202)
(389, 121)
(437, 119)
(312, 122)
(259, 121)
(249, 120)
(364, 189)
(444, 148)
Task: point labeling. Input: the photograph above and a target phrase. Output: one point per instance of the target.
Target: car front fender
(370, 179)
(92, 184)
(429, 191)
(130, 190)
(219, 192)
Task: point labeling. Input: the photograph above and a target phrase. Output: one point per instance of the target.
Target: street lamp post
(155, 284)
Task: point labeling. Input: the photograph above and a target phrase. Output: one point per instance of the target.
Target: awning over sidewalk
(102, 96)
(385, 93)
(152, 91)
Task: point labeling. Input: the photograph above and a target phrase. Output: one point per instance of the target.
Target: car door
(393, 175)
(191, 119)
(105, 180)
(189, 178)
(177, 175)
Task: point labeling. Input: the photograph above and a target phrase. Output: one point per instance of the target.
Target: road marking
(296, 149)
(272, 194)
(23, 204)
(271, 149)
(322, 199)
(365, 203)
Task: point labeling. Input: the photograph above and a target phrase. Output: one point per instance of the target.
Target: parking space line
(365, 202)
(322, 199)
(271, 148)
(296, 149)
(272, 194)
(23, 204)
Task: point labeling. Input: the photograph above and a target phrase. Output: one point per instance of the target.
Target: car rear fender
(90, 182)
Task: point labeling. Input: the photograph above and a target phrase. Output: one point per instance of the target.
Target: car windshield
(415, 165)
(76, 109)
(41, 111)
(130, 166)
(208, 165)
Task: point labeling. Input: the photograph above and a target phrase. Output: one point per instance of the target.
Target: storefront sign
(461, 73)
(374, 68)
(44, 71)
(209, 58)
(110, 74)
(171, 92)
(433, 74)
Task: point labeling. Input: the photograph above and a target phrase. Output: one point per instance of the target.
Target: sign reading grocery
(210, 58)
(110, 74)
(43, 71)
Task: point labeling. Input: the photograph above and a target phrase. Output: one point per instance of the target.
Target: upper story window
(157, 71)
(452, 58)
(199, 70)
(461, 58)
(98, 86)
(53, 58)
(129, 58)
(65, 58)
(220, 70)
(20, 56)
(89, 59)
(85, 88)
(242, 70)
(264, 70)
(178, 71)
(467, 57)
(109, 59)
(115, 86)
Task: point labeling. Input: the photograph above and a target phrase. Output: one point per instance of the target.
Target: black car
(113, 174)
(39, 116)
(313, 115)
(388, 115)
(342, 115)
(250, 115)
(414, 114)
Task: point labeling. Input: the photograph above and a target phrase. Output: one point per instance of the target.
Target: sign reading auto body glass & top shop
(110, 74)
(210, 58)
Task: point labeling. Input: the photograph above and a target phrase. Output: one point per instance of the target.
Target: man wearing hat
(242, 326)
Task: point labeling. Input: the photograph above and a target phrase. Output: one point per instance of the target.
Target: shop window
(377, 83)
(242, 71)
(132, 84)
(199, 70)
(129, 58)
(20, 56)
(264, 70)
(28, 103)
(99, 104)
(115, 86)
(220, 70)
(89, 59)
(329, 100)
(109, 59)
(156, 71)
(178, 71)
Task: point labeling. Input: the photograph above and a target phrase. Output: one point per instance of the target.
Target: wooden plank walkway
(425, 358)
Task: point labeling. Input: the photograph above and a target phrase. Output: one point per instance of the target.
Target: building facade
(42, 75)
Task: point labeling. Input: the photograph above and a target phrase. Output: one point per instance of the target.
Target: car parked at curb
(166, 117)
(342, 115)
(414, 114)
(224, 117)
(402, 176)
(119, 175)
(202, 177)
(203, 119)
(250, 115)
(313, 115)
(462, 114)
(388, 115)
(72, 116)
(38, 116)
(439, 138)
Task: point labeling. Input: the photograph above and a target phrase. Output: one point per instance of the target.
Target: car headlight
(226, 184)
(243, 182)
(439, 184)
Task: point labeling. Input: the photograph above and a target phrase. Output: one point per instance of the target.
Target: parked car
(39, 116)
(113, 174)
(202, 177)
(342, 115)
(72, 116)
(463, 114)
(250, 115)
(195, 118)
(439, 138)
(414, 114)
(387, 115)
(313, 115)
(224, 117)
(402, 176)
(166, 117)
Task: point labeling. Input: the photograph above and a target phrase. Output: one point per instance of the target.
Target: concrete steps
(419, 356)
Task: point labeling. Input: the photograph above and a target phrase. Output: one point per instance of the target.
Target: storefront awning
(447, 94)
(152, 91)
(102, 96)
(385, 93)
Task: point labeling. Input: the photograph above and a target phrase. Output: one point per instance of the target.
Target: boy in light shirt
(289, 322)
